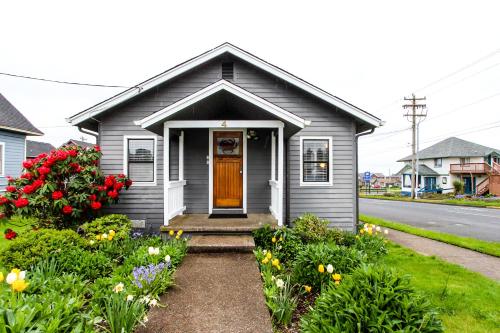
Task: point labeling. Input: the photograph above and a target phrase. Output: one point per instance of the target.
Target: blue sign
(367, 176)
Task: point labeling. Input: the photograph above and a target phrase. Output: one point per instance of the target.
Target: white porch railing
(274, 208)
(176, 198)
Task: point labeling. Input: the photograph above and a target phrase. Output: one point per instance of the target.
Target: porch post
(280, 175)
(181, 156)
(166, 171)
(273, 156)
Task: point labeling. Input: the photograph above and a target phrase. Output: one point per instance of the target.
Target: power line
(62, 82)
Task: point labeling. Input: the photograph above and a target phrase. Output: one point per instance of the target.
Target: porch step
(220, 243)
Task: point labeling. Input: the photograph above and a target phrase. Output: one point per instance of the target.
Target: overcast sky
(370, 53)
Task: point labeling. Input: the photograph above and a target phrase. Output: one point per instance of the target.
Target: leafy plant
(122, 316)
(30, 247)
(282, 302)
(458, 185)
(263, 236)
(341, 237)
(372, 299)
(311, 228)
(88, 265)
(152, 279)
(120, 224)
(306, 269)
(372, 245)
(62, 189)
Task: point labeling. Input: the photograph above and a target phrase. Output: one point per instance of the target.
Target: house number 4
(224, 124)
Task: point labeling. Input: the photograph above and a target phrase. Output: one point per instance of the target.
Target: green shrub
(262, 236)
(372, 245)
(341, 237)
(389, 194)
(121, 224)
(282, 301)
(30, 247)
(86, 264)
(122, 316)
(343, 259)
(371, 300)
(311, 228)
(458, 185)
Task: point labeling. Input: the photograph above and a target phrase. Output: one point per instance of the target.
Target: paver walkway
(475, 261)
(214, 292)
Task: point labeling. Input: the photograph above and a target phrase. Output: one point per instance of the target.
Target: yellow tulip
(321, 268)
(98, 237)
(308, 288)
(269, 255)
(177, 237)
(276, 262)
(110, 237)
(171, 232)
(281, 238)
(336, 277)
(1, 277)
(273, 239)
(265, 261)
(337, 282)
(179, 233)
(362, 231)
(19, 285)
(112, 233)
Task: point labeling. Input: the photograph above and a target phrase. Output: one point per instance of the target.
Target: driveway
(480, 223)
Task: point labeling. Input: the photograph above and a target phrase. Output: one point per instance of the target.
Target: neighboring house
(35, 148)
(452, 159)
(244, 136)
(81, 144)
(14, 128)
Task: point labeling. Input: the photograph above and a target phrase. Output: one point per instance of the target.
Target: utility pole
(415, 115)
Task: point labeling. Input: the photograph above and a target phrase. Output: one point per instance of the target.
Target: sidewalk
(214, 292)
(472, 260)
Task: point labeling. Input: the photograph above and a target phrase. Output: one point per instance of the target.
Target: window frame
(2, 161)
(330, 161)
(126, 138)
(440, 165)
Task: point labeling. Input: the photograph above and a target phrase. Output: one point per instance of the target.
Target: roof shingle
(13, 120)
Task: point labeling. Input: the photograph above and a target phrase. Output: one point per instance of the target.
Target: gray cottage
(244, 137)
(14, 127)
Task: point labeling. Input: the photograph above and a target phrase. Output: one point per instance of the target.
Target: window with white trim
(141, 159)
(316, 160)
(438, 162)
(2, 159)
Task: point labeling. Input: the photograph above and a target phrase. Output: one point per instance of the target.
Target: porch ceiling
(223, 101)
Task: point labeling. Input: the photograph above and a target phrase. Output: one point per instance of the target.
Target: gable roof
(13, 120)
(221, 85)
(209, 55)
(79, 143)
(35, 148)
(453, 147)
(423, 170)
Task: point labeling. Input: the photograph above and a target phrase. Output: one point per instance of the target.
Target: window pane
(141, 160)
(228, 146)
(316, 172)
(315, 150)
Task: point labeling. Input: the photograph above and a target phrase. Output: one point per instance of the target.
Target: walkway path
(475, 261)
(214, 292)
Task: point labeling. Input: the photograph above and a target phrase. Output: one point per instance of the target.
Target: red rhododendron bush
(62, 189)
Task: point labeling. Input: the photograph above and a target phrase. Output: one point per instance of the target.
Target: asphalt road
(480, 223)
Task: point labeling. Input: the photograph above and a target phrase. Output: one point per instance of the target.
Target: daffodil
(98, 237)
(321, 268)
(336, 277)
(153, 250)
(110, 237)
(171, 233)
(276, 262)
(269, 255)
(1, 277)
(308, 288)
(112, 233)
(280, 283)
(179, 233)
(177, 237)
(265, 261)
(362, 231)
(19, 285)
(118, 288)
(130, 298)
(14, 275)
(329, 268)
(273, 239)
(167, 258)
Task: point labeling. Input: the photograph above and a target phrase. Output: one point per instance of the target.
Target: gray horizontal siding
(14, 145)
(196, 170)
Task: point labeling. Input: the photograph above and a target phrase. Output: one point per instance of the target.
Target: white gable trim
(214, 88)
(207, 56)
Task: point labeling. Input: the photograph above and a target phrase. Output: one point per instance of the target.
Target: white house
(451, 159)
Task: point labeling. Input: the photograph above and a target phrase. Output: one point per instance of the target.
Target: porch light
(322, 165)
(252, 135)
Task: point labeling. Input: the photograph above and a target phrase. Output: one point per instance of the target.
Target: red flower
(128, 183)
(42, 155)
(67, 210)
(57, 195)
(121, 175)
(27, 176)
(72, 152)
(38, 183)
(61, 155)
(43, 170)
(10, 234)
(10, 189)
(28, 189)
(21, 202)
(76, 167)
(101, 188)
(10, 180)
(95, 205)
(118, 186)
(113, 194)
(50, 161)
(42, 177)
(3, 200)
(27, 164)
(109, 181)
(97, 148)
(92, 197)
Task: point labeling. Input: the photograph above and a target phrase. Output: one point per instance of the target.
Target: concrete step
(220, 243)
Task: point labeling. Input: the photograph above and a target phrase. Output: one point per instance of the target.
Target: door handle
(241, 171)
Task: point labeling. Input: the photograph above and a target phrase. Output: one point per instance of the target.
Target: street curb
(434, 203)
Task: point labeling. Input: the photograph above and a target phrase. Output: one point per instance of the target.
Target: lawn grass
(454, 202)
(17, 224)
(491, 248)
(466, 301)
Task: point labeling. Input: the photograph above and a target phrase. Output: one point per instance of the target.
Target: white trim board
(330, 161)
(214, 88)
(207, 56)
(155, 161)
(223, 124)
(211, 167)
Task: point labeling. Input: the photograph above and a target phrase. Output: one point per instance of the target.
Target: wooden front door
(228, 169)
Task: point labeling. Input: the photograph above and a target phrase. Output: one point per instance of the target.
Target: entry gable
(222, 85)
